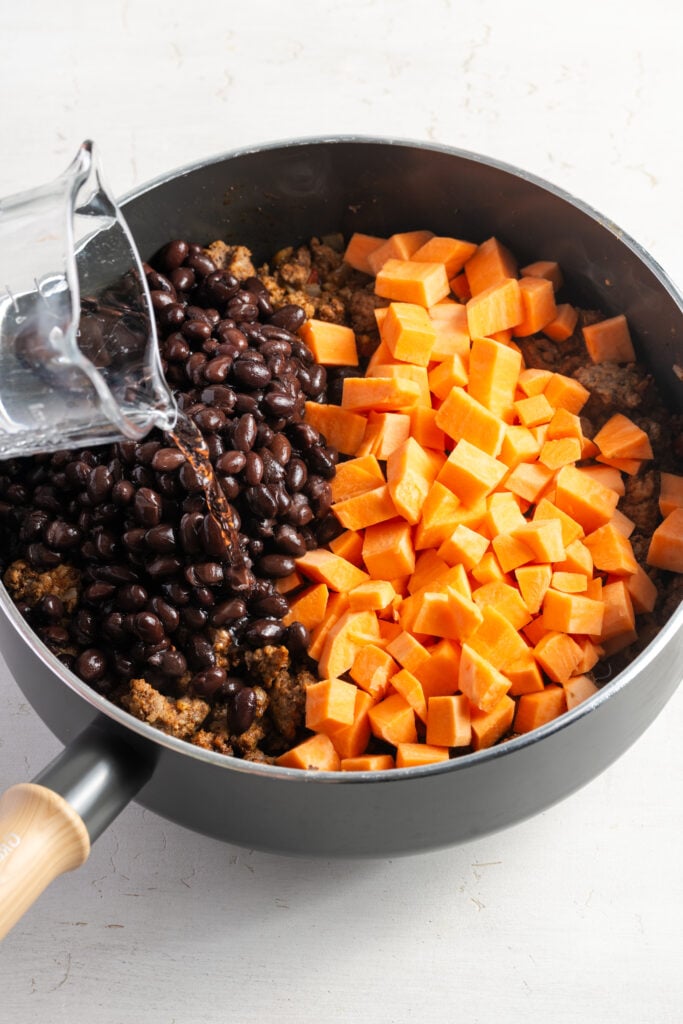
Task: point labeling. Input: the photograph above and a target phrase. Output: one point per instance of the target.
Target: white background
(572, 916)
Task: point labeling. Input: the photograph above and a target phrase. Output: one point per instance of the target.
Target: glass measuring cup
(79, 361)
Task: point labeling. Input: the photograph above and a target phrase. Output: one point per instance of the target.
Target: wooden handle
(41, 836)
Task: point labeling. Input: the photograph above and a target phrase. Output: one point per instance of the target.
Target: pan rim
(626, 677)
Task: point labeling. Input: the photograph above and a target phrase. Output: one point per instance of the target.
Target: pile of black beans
(156, 570)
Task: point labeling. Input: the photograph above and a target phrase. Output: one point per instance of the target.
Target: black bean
(99, 484)
(281, 449)
(50, 607)
(168, 485)
(125, 452)
(202, 264)
(288, 540)
(303, 353)
(182, 278)
(321, 461)
(122, 492)
(190, 478)
(161, 538)
(91, 665)
(261, 501)
(161, 300)
(145, 452)
(190, 527)
(195, 368)
(123, 665)
(232, 462)
(176, 593)
(160, 282)
(275, 347)
(33, 525)
(198, 313)
(261, 632)
(164, 566)
(193, 618)
(219, 287)
(213, 538)
(242, 710)
(303, 436)
(209, 574)
(200, 653)
(296, 638)
(83, 627)
(231, 687)
(112, 627)
(77, 473)
(276, 566)
(203, 596)
(175, 348)
(118, 574)
(239, 579)
(196, 331)
(282, 499)
(264, 528)
(319, 494)
(207, 683)
(173, 254)
(40, 555)
(148, 627)
(172, 663)
(61, 535)
(327, 529)
(296, 474)
(273, 606)
(98, 592)
(228, 611)
(147, 506)
(166, 613)
(278, 404)
(46, 497)
(261, 294)
(300, 512)
(54, 636)
(132, 597)
(290, 317)
(216, 371)
(244, 433)
(250, 374)
(134, 539)
(172, 316)
(220, 396)
(229, 486)
(210, 420)
(243, 309)
(317, 381)
(253, 470)
(165, 460)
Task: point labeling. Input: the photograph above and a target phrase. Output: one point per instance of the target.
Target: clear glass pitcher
(79, 361)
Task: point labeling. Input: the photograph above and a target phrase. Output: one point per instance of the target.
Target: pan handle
(47, 826)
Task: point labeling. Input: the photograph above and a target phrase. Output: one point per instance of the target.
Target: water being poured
(188, 439)
(79, 360)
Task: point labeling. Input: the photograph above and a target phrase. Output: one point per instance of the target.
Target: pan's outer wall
(285, 194)
(352, 818)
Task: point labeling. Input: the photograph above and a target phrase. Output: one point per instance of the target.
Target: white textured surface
(572, 916)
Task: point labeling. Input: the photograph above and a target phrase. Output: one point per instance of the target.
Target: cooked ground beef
(181, 717)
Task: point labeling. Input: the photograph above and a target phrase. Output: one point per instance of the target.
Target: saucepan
(266, 198)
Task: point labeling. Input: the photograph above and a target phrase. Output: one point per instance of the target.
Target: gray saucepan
(269, 197)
